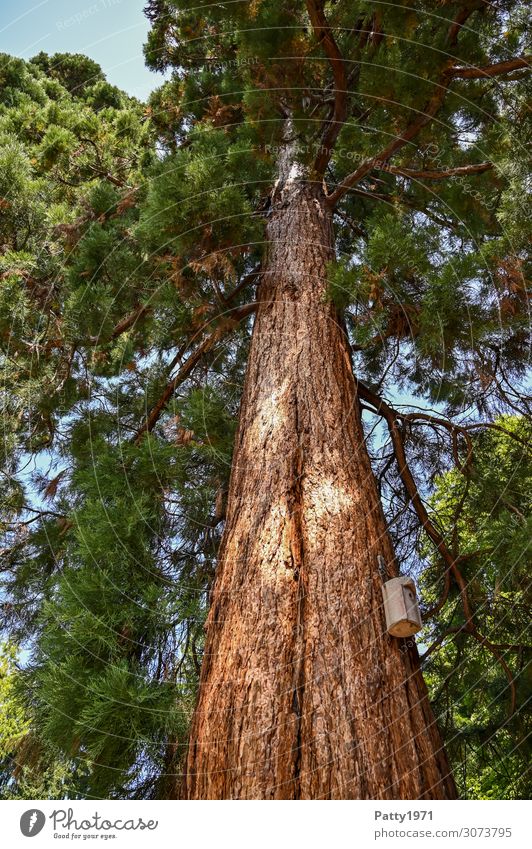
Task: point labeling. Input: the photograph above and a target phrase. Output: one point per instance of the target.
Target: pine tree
(28, 769)
(485, 706)
(336, 216)
(74, 301)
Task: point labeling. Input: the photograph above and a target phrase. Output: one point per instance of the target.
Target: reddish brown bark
(303, 694)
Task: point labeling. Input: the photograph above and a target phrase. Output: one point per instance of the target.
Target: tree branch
(507, 671)
(453, 430)
(390, 415)
(493, 426)
(425, 117)
(437, 643)
(465, 12)
(469, 626)
(123, 325)
(392, 200)
(246, 281)
(438, 174)
(184, 372)
(489, 71)
(325, 37)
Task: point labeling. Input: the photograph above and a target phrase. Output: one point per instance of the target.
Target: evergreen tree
(75, 306)
(484, 705)
(29, 769)
(347, 174)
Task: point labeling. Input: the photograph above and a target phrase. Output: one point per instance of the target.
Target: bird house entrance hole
(401, 608)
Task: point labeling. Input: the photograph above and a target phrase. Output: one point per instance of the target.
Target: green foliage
(489, 514)
(13, 721)
(206, 184)
(109, 685)
(75, 72)
(27, 771)
(129, 238)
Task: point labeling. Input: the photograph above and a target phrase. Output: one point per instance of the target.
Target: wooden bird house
(401, 608)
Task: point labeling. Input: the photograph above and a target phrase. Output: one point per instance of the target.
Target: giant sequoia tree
(337, 214)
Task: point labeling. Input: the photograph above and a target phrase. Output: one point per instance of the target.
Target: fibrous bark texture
(303, 694)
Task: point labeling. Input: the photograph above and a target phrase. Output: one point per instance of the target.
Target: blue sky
(112, 32)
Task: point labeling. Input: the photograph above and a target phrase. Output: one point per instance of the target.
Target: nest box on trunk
(401, 608)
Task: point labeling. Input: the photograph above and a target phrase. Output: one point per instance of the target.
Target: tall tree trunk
(303, 694)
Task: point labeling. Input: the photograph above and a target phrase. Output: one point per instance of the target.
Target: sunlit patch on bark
(327, 499)
(271, 415)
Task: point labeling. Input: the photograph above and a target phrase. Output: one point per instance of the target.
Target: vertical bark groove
(303, 694)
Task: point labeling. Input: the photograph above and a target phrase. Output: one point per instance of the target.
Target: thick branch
(464, 13)
(390, 415)
(439, 174)
(424, 117)
(123, 325)
(246, 281)
(187, 368)
(491, 70)
(325, 37)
